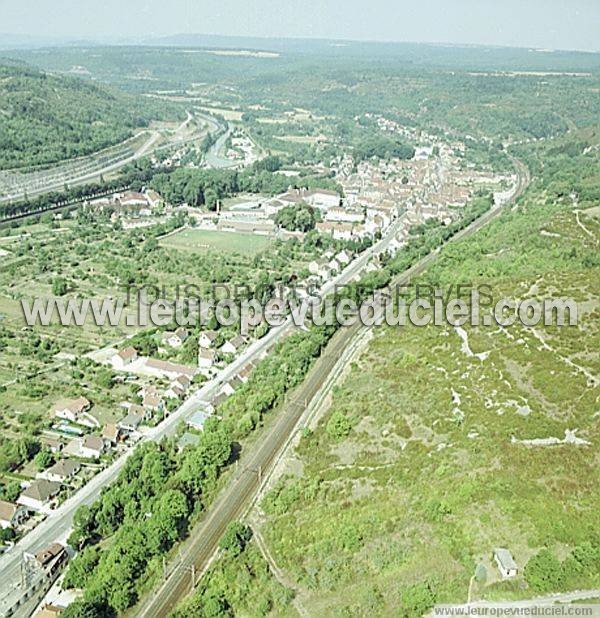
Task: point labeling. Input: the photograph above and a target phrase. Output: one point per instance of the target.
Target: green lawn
(200, 241)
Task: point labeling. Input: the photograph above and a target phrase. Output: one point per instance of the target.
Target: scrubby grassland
(416, 473)
(46, 118)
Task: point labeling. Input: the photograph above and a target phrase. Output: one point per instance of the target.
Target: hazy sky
(559, 24)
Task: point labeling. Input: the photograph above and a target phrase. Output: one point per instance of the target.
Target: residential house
(92, 447)
(111, 433)
(244, 373)
(506, 564)
(183, 382)
(153, 403)
(11, 515)
(326, 271)
(39, 494)
(176, 338)
(130, 422)
(219, 399)
(132, 198)
(153, 198)
(49, 611)
(54, 444)
(147, 389)
(197, 420)
(207, 338)
(343, 258)
(347, 215)
(76, 411)
(206, 358)
(62, 471)
(187, 439)
(166, 369)
(315, 266)
(339, 231)
(233, 345)
(124, 358)
(175, 392)
(52, 558)
(334, 265)
(178, 388)
(230, 387)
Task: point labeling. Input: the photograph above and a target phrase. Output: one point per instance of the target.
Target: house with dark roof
(62, 471)
(130, 422)
(39, 494)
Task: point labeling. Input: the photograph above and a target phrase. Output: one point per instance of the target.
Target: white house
(207, 338)
(39, 494)
(177, 338)
(233, 345)
(166, 369)
(346, 215)
(11, 515)
(315, 266)
(506, 564)
(178, 388)
(62, 471)
(124, 358)
(206, 358)
(92, 447)
(322, 198)
(340, 231)
(343, 258)
(76, 411)
(230, 387)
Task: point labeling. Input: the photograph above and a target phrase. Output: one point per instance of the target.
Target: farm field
(203, 241)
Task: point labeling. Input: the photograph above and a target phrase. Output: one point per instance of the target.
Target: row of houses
(330, 264)
(208, 356)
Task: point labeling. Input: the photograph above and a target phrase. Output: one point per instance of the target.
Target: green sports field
(199, 241)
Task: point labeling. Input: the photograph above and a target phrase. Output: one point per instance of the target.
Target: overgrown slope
(46, 118)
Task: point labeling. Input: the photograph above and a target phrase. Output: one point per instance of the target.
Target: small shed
(506, 564)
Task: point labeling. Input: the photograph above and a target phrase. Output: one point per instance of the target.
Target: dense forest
(46, 118)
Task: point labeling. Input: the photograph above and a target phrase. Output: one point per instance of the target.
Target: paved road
(550, 599)
(234, 499)
(58, 525)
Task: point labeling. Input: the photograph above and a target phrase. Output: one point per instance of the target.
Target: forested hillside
(45, 118)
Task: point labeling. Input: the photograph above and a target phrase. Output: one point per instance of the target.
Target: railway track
(199, 550)
(232, 503)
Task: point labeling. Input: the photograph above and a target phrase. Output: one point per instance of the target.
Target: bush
(235, 538)
(543, 572)
(417, 600)
(338, 426)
